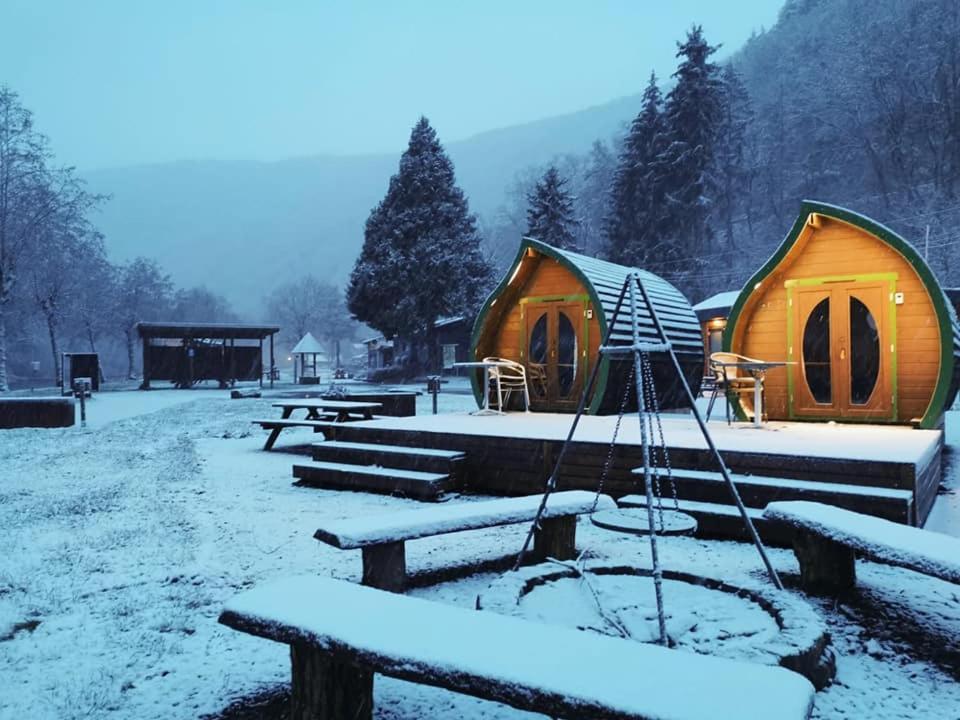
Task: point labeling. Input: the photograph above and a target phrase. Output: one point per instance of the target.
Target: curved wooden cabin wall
(539, 276)
(836, 248)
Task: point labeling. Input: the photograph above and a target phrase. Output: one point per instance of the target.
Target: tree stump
(826, 566)
(556, 538)
(385, 566)
(324, 688)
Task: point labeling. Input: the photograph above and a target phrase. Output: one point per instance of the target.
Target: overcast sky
(121, 82)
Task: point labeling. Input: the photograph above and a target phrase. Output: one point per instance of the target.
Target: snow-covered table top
(561, 671)
(927, 552)
(441, 519)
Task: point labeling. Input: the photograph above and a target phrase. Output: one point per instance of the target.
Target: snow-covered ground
(120, 543)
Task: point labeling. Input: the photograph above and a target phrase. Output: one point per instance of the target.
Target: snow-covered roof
(308, 345)
(441, 322)
(721, 301)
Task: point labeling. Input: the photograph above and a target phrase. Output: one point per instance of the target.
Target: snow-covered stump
(385, 566)
(826, 566)
(556, 538)
(325, 688)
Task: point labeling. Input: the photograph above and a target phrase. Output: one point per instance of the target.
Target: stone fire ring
(802, 643)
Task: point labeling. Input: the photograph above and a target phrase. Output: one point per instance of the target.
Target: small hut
(550, 313)
(869, 333)
(305, 358)
(712, 314)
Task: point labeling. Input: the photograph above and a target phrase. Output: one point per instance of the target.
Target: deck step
(449, 462)
(372, 478)
(720, 521)
(757, 491)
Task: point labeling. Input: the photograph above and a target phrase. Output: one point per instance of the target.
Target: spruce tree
(731, 158)
(692, 114)
(632, 228)
(421, 256)
(550, 216)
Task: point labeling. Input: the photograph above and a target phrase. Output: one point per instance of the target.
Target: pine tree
(421, 256)
(731, 166)
(691, 114)
(550, 216)
(632, 227)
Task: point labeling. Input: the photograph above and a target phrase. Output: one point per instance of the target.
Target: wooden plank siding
(836, 248)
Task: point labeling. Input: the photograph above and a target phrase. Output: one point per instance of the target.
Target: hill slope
(242, 228)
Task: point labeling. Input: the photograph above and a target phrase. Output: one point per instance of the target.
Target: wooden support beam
(385, 566)
(826, 567)
(556, 538)
(326, 688)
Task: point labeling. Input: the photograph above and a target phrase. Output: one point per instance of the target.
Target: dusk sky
(121, 82)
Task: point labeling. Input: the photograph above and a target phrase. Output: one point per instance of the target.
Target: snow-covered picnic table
(321, 414)
(341, 634)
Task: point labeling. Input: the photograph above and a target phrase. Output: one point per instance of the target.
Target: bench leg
(385, 566)
(556, 538)
(825, 566)
(274, 434)
(324, 688)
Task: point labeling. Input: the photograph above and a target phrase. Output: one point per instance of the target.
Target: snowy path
(119, 547)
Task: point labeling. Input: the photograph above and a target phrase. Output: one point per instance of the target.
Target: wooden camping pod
(869, 333)
(551, 311)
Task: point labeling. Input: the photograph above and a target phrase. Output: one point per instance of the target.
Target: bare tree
(143, 293)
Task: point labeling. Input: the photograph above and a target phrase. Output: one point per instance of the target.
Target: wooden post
(385, 566)
(325, 688)
(145, 385)
(260, 362)
(556, 538)
(271, 360)
(826, 566)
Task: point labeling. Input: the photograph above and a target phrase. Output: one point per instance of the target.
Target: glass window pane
(816, 352)
(864, 352)
(566, 354)
(538, 340)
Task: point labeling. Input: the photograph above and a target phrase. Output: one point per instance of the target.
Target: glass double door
(554, 342)
(843, 348)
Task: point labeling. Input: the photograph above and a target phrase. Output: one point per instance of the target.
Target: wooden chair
(728, 380)
(537, 376)
(508, 376)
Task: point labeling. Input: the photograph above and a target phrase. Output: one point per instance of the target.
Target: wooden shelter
(869, 332)
(712, 314)
(550, 313)
(187, 353)
(305, 372)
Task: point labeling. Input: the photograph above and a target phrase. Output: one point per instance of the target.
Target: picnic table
(321, 416)
(317, 409)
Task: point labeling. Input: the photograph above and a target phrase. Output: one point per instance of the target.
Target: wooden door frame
(583, 362)
(794, 353)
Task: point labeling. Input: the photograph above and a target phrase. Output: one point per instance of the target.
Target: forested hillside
(854, 102)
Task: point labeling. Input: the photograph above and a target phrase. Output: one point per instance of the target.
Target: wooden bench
(827, 539)
(382, 537)
(277, 426)
(340, 634)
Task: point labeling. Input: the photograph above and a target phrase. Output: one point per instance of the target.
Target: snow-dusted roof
(720, 301)
(308, 345)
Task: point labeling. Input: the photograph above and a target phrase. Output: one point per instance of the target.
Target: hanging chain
(663, 445)
(652, 412)
(616, 431)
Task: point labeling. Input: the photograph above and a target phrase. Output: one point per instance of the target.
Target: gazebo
(302, 372)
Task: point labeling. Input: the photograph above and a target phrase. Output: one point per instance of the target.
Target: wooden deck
(514, 454)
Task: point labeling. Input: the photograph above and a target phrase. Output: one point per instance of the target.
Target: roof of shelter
(199, 330)
(308, 345)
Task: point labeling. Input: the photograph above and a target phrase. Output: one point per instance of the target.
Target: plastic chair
(729, 380)
(508, 376)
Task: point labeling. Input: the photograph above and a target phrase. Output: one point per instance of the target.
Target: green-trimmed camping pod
(551, 311)
(869, 333)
